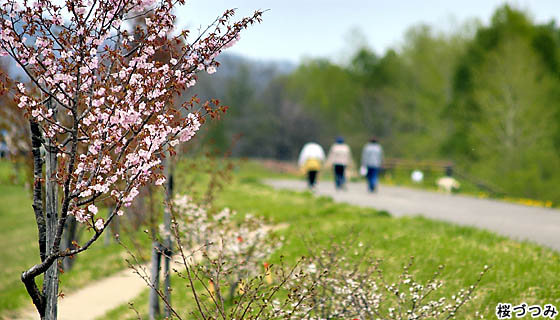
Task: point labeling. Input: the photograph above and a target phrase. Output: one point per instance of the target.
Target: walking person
(340, 157)
(310, 161)
(372, 159)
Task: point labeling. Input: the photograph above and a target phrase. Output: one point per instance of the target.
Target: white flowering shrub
(241, 246)
(229, 278)
(224, 260)
(351, 285)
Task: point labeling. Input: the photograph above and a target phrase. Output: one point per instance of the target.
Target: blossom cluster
(106, 101)
(242, 245)
(354, 287)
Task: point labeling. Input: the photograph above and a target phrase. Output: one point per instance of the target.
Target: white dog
(447, 184)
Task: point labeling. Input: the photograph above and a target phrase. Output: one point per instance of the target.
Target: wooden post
(50, 285)
(165, 249)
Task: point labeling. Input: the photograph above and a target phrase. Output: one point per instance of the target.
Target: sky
(296, 29)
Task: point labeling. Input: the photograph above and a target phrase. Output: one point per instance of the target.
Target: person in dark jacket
(339, 157)
(372, 160)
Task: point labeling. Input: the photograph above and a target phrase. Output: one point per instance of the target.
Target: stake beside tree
(105, 113)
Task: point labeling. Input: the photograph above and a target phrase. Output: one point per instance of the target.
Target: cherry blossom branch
(114, 97)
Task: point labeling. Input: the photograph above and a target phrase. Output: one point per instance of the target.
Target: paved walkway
(541, 225)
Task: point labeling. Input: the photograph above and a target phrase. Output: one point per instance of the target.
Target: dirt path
(96, 299)
(540, 225)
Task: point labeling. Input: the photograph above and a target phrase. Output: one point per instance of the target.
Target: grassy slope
(18, 238)
(521, 272)
(19, 249)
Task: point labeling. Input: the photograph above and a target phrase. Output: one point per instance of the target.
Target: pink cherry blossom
(93, 209)
(99, 224)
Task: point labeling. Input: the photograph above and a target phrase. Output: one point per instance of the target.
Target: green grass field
(520, 272)
(19, 249)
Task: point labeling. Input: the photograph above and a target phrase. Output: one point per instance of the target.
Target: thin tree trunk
(50, 286)
(70, 235)
(38, 296)
(36, 141)
(153, 311)
(167, 240)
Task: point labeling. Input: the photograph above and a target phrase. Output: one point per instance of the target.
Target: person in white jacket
(310, 161)
(372, 160)
(339, 157)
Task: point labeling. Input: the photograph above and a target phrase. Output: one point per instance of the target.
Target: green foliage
(399, 97)
(505, 106)
(328, 91)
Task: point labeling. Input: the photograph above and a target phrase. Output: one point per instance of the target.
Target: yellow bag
(312, 165)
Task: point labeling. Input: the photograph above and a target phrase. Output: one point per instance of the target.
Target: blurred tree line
(486, 97)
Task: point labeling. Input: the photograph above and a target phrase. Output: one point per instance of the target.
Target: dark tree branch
(36, 295)
(28, 278)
